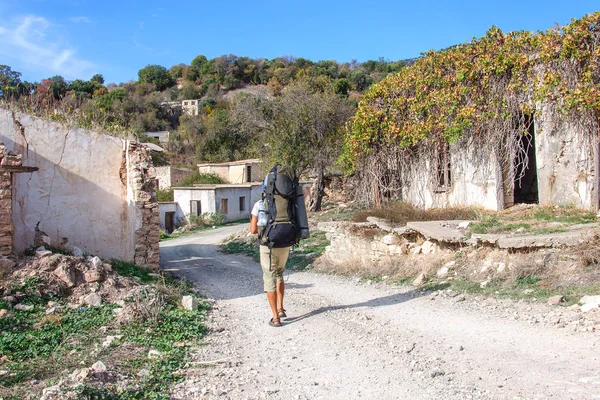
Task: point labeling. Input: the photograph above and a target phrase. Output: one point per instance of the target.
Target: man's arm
(253, 224)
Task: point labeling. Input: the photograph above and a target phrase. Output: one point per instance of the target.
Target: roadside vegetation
(130, 348)
(522, 219)
(301, 257)
(528, 275)
(533, 275)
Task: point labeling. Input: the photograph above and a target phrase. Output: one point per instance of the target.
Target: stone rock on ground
(96, 262)
(93, 300)
(555, 300)
(66, 274)
(420, 280)
(98, 367)
(428, 247)
(79, 375)
(442, 272)
(7, 264)
(189, 303)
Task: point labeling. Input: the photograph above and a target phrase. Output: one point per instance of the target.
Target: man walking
(272, 262)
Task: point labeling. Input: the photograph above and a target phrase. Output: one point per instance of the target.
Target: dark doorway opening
(169, 222)
(526, 184)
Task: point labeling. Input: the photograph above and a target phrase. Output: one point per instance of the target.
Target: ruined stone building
(89, 191)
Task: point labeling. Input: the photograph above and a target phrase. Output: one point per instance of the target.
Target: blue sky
(77, 38)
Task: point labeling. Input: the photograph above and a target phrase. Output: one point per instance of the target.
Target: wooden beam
(17, 169)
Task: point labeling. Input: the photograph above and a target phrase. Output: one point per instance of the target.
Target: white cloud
(79, 20)
(35, 44)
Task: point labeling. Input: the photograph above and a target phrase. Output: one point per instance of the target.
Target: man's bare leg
(280, 292)
(272, 298)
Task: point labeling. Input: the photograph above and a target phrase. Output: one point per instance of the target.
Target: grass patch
(530, 288)
(238, 246)
(37, 346)
(164, 195)
(402, 212)
(307, 251)
(198, 178)
(537, 220)
(126, 268)
(299, 258)
(33, 344)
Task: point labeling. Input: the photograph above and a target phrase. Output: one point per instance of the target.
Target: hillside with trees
(286, 109)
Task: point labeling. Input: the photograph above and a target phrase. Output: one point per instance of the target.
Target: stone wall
(92, 191)
(142, 202)
(6, 225)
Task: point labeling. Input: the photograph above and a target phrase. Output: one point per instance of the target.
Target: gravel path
(345, 339)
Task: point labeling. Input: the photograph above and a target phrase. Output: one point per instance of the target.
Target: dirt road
(345, 339)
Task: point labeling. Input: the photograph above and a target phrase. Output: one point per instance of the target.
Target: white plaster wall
(565, 162)
(233, 194)
(222, 171)
(163, 174)
(473, 183)
(163, 208)
(474, 178)
(237, 174)
(76, 196)
(183, 196)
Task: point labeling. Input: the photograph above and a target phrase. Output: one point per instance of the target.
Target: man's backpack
(287, 222)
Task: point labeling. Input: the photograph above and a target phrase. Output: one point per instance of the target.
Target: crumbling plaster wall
(476, 180)
(91, 190)
(565, 161)
(169, 176)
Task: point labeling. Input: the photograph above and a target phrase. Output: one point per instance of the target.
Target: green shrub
(216, 218)
(164, 195)
(196, 220)
(197, 179)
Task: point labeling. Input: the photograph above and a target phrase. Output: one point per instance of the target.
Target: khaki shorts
(274, 274)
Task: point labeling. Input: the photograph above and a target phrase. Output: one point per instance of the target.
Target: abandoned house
(168, 176)
(243, 171)
(89, 191)
(493, 123)
(234, 201)
(161, 136)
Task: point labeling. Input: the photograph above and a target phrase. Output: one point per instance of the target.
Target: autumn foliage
(470, 87)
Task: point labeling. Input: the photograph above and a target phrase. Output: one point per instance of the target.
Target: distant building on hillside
(190, 107)
(234, 172)
(162, 136)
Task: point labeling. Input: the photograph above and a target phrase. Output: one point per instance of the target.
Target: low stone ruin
(9, 163)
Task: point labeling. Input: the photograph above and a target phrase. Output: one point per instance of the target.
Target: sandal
(275, 322)
(281, 313)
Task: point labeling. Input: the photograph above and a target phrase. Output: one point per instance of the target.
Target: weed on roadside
(301, 256)
(37, 349)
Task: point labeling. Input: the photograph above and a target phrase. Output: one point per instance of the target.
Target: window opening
(224, 206)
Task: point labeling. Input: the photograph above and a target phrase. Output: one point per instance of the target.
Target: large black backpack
(280, 195)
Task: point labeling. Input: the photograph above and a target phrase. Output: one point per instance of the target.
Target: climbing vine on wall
(479, 88)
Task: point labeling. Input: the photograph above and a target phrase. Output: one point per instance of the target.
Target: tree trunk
(317, 191)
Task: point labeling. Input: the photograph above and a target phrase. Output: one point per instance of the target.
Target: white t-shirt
(255, 209)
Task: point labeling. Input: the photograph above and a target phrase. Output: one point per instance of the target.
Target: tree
(157, 75)
(302, 128)
(58, 87)
(176, 71)
(98, 78)
(8, 78)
